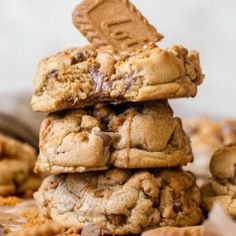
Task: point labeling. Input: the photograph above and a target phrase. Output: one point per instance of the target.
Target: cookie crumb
(9, 201)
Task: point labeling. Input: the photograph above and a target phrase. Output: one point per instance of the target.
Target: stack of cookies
(111, 142)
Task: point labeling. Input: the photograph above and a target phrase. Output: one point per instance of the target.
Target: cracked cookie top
(121, 201)
(135, 135)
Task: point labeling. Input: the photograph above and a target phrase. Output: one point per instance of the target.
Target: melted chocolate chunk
(177, 206)
(52, 74)
(78, 57)
(97, 77)
(81, 56)
(117, 220)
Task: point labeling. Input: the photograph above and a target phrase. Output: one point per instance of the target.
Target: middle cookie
(137, 135)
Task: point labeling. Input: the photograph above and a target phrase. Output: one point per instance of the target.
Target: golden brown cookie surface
(80, 77)
(142, 135)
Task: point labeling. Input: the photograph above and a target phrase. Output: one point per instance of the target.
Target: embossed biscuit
(81, 77)
(142, 135)
(121, 201)
(17, 161)
(114, 23)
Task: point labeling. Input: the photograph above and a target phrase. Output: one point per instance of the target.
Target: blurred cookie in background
(207, 135)
(18, 145)
(221, 187)
(229, 130)
(17, 161)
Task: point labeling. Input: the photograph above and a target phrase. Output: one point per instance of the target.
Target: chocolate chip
(117, 220)
(177, 206)
(156, 203)
(52, 74)
(78, 57)
(91, 230)
(105, 137)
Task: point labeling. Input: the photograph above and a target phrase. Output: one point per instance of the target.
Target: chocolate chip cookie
(222, 187)
(138, 135)
(80, 77)
(121, 201)
(17, 161)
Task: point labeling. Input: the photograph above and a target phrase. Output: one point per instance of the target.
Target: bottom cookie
(121, 201)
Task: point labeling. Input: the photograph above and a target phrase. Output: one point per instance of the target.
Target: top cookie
(80, 77)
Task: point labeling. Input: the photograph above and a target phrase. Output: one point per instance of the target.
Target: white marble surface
(31, 29)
